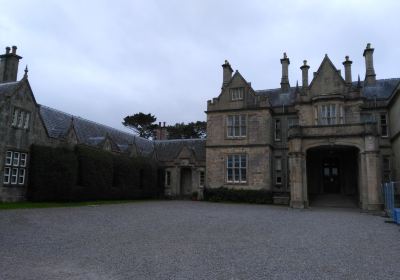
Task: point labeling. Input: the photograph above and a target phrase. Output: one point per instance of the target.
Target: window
(15, 168)
(384, 126)
(236, 93)
(201, 183)
(20, 118)
(292, 122)
(328, 114)
(278, 171)
(236, 166)
(278, 130)
(386, 168)
(167, 178)
(237, 126)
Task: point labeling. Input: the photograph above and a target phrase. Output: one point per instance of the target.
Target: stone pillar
(373, 181)
(298, 190)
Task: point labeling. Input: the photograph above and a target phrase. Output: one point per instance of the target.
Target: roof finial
(26, 72)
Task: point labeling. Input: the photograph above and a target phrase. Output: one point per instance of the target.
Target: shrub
(242, 195)
(53, 174)
(95, 172)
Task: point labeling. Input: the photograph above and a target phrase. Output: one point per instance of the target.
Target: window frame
(236, 124)
(236, 170)
(278, 137)
(21, 118)
(278, 170)
(384, 126)
(202, 178)
(15, 168)
(236, 93)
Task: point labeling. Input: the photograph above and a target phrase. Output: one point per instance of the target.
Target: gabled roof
(328, 61)
(168, 150)
(58, 123)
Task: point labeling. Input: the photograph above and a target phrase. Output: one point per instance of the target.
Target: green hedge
(242, 195)
(53, 174)
(85, 173)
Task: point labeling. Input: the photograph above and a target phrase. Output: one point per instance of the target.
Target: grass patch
(30, 205)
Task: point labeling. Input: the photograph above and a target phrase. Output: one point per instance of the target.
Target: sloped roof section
(277, 97)
(57, 124)
(6, 89)
(168, 150)
(382, 89)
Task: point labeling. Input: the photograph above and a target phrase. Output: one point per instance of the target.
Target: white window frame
(7, 175)
(236, 164)
(27, 118)
(15, 168)
(15, 117)
(328, 114)
(236, 126)
(291, 122)
(237, 93)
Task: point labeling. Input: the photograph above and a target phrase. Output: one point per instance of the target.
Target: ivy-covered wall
(85, 173)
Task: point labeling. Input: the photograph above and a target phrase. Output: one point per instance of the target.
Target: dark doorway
(332, 175)
(186, 182)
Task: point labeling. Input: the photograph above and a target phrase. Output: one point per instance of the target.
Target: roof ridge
(179, 140)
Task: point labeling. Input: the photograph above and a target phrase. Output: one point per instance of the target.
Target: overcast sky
(103, 60)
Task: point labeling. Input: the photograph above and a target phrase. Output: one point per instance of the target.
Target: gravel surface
(196, 240)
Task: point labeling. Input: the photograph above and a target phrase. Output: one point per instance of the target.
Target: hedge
(241, 195)
(85, 173)
(53, 174)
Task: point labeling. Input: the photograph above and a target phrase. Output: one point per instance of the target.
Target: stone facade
(330, 136)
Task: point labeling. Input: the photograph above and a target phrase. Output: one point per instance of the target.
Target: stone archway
(332, 176)
(368, 169)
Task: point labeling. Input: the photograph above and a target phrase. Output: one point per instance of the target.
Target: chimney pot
(163, 124)
(285, 73)
(304, 72)
(14, 49)
(347, 69)
(226, 73)
(8, 50)
(370, 76)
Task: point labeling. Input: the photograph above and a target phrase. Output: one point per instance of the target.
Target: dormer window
(20, 118)
(236, 93)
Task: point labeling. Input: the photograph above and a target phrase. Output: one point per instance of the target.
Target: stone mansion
(331, 135)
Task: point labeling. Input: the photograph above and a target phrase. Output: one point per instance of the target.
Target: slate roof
(7, 89)
(277, 97)
(382, 89)
(58, 124)
(168, 150)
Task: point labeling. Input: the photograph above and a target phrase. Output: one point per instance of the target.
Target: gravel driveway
(196, 240)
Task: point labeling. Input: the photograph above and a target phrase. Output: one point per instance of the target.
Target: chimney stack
(304, 71)
(285, 73)
(227, 73)
(9, 65)
(347, 70)
(370, 77)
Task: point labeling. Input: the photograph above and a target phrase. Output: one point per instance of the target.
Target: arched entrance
(332, 176)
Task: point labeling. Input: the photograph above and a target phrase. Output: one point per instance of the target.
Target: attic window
(20, 118)
(236, 93)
